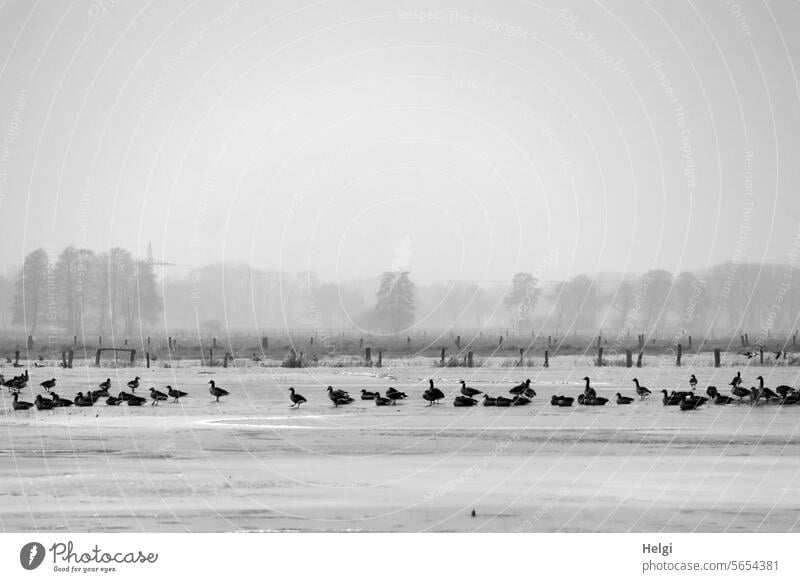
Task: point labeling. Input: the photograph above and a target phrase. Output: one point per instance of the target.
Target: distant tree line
(82, 293)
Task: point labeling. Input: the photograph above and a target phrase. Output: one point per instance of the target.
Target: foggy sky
(453, 139)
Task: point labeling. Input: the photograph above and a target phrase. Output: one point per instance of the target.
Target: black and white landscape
(399, 267)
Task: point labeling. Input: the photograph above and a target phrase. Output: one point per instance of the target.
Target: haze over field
(456, 140)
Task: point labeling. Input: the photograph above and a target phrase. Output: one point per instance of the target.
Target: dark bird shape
(433, 395)
(563, 401)
(48, 384)
(641, 391)
(464, 401)
(134, 400)
(503, 401)
(586, 400)
(520, 400)
(365, 395)
(588, 391)
(693, 381)
(748, 355)
(44, 404)
(82, 401)
(58, 401)
(721, 399)
(338, 397)
(766, 392)
(395, 394)
(216, 391)
(489, 401)
(256, 358)
(670, 399)
(740, 392)
(712, 391)
(105, 385)
(156, 396)
(692, 402)
(623, 399)
(297, 399)
(468, 391)
(133, 384)
(381, 401)
(520, 388)
(20, 404)
(784, 390)
(529, 393)
(113, 401)
(97, 394)
(737, 380)
(176, 394)
(793, 398)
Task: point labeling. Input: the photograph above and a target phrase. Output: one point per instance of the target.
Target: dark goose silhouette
(467, 391)
(489, 401)
(133, 384)
(432, 394)
(338, 397)
(641, 391)
(588, 391)
(105, 385)
(20, 404)
(671, 399)
(156, 396)
(692, 402)
(520, 400)
(297, 399)
(464, 401)
(48, 384)
(365, 395)
(43, 404)
(503, 401)
(740, 392)
(113, 401)
(395, 394)
(737, 380)
(176, 394)
(217, 392)
(81, 400)
(693, 382)
(381, 401)
(59, 402)
(520, 388)
(623, 399)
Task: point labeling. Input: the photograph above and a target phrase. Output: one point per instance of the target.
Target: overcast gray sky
(467, 139)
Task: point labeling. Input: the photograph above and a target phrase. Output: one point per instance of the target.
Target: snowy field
(250, 463)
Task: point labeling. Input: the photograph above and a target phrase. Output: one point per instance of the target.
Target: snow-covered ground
(252, 463)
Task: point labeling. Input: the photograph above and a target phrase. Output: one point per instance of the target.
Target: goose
(395, 394)
(623, 399)
(215, 391)
(467, 391)
(81, 400)
(60, 401)
(766, 392)
(464, 401)
(133, 384)
(113, 401)
(588, 391)
(792, 398)
(520, 400)
(722, 399)
(712, 391)
(297, 399)
(156, 396)
(692, 402)
(529, 393)
(489, 401)
(339, 396)
(670, 399)
(563, 401)
(47, 384)
(503, 401)
(641, 391)
(381, 401)
(105, 385)
(365, 395)
(97, 394)
(134, 400)
(175, 394)
(520, 388)
(20, 404)
(740, 392)
(737, 380)
(255, 358)
(433, 394)
(693, 381)
(784, 390)
(43, 404)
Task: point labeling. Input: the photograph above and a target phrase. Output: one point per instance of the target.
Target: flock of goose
(519, 395)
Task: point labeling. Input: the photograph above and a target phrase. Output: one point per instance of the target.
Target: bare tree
(31, 296)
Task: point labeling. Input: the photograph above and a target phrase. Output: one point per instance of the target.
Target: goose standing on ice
(105, 385)
(217, 392)
(48, 384)
(297, 399)
(134, 384)
(157, 396)
(737, 380)
(693, 382)
(520, 388)
(641, 391)
(176, 394)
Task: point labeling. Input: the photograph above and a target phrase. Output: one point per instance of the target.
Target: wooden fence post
(69, 359)
(547, 358)
(97, 358)
(380, 357)
(521, 357)
(211, 357)
(639, 360)
(678, 357)
(761, 355)
(63, 359)
(599, 356)
(16, 359)
(469, 359)
(147, 359)
(442, 358)
(368, 355)
(133, 357)
(716, 357)
(458, 341)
